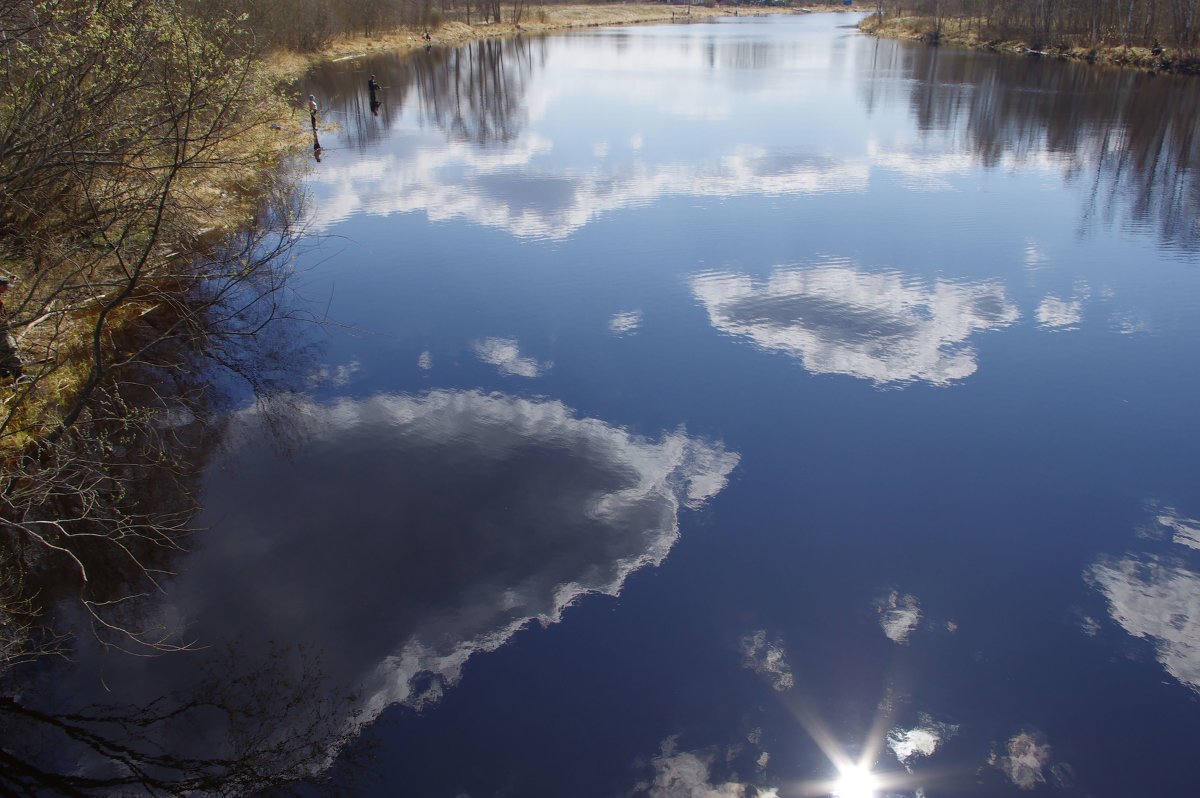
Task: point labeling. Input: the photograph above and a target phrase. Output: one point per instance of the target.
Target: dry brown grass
(967, 33)
(225, 197)
(535, 20)
(205, 202)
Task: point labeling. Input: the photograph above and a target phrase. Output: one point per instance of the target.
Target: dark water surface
(721, 405)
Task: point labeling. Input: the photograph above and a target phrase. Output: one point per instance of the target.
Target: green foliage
(104, 105)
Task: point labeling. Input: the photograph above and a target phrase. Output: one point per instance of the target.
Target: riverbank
(219, 194)
(287, 65)
(973, 34)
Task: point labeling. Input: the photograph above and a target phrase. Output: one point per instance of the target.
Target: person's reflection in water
(374, 88)
(316, 147)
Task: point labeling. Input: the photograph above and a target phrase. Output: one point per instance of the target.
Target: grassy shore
(972, 34)
(534, 21)
(209, 203)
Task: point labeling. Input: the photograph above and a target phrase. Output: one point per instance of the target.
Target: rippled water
(711, 406)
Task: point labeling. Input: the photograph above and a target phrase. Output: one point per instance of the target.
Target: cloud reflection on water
(767, 658)
(1156, 596)
(899, 614)
(406, 534)
(505, 355)
(1157, 599)
(1059, 314)
(1184, 531)
(508, 189)
(401, 535)
(840, 320)
(690, 774)
(520, 189)
(920, 741)
(625, 323)
(1025, 760)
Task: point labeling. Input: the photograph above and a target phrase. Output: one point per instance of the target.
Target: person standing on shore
(312, 110)
(10, 361)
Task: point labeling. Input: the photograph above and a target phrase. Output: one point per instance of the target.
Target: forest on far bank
(310, 25)
(1153, 24)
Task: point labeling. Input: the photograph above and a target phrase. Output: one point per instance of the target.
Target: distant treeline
(1087, 23)
(309, 25)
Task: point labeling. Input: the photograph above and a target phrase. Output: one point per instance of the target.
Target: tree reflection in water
(465, 517)
(270, 732)
(474, 93)
(97, 518)
(1126, 137)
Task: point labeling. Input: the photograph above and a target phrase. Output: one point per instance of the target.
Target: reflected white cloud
(505, 354)
(899, 614)
(336, 376)
(402, 535)
(767, 658)
(1157, 599)
(1025, 759)
(839, 320)
(1089, 626)
(688, 774)
(920, 741)
(425, 361)
(1059, 314)
(508, 189)
(625, 323)
(517, 190)
(921, 171)
(909, 743)
(1035, 256)
(1184, 531)
(1129, 324)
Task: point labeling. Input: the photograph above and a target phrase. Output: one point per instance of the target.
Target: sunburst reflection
(856, 781)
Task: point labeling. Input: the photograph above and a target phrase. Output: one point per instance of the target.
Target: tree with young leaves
(135, 158)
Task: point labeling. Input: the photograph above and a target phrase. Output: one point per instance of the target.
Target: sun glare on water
(856, 782)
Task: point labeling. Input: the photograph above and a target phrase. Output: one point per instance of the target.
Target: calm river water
(713, 409)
